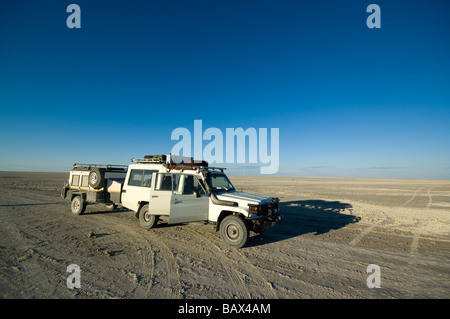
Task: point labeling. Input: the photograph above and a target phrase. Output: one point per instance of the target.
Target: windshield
(219, 182)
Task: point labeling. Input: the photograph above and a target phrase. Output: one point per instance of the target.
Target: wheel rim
(146, 216)
(93, 178)
(76, 205)
(232, 232)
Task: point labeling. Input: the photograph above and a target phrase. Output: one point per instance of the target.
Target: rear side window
(140, 177)
(84, 181)
(135, 177)
(147, 178)
(75, 180)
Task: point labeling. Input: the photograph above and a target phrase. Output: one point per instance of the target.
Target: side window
(136, 177)
(164, 182)
(178, 184)
(186, 185)
(140, 177)
(189, 185)
(85, 181)
(147, 178)
(75, 180)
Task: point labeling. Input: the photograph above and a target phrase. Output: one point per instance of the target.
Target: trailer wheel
(78, 205)
(234, 231)
(146, 220)
(111, 207)
(96, 178)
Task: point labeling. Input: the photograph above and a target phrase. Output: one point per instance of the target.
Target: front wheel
(234, 231)
(146, 220)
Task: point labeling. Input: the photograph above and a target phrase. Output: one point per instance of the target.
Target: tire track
(420, 227)
(148, 264)
(430, 198)
(235, 276)
(143, 248)
(153, 244)
(254, 272)
(369, 229)
(414, 247)
(366, 231)
(172, 267)
(412, 198)
(36, 279)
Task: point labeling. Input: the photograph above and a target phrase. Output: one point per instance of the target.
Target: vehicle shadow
(95, 209)
(306, 216)
(35, 204)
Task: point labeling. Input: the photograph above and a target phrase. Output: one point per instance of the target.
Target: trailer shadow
(305, 217)
(95, 209)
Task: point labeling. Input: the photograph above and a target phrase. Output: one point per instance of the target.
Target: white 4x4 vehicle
(180, 190)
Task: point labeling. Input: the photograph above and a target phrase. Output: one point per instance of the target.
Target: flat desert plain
(333, 229)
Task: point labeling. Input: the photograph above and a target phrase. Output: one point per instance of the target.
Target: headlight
(254, 209)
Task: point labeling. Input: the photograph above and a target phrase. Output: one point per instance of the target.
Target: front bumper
(268, 216)
(261, 225)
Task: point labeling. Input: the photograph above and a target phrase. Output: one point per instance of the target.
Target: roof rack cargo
(148, 160)
(216, 168)
(170, 159)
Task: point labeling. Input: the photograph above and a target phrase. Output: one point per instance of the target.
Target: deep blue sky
(349, 101)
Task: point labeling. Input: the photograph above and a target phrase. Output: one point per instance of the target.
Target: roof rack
(176, 162)
(191, 166)
(110, 167)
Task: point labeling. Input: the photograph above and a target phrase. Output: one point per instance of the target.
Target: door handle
(178, 202)
(155, 196)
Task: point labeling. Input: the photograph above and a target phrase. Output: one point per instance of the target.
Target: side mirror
(197, 193)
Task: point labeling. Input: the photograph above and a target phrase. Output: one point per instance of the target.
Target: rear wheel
(234, 231)
(78, 205)
(146, 220)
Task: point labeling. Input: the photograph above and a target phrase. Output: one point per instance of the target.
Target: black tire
(233, 231)
(78, 205)
(96, 178)
(146, 220)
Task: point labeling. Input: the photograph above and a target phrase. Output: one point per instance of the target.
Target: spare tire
(96, 178)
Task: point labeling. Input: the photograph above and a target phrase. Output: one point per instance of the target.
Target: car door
(161, 194)
(189, 201)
